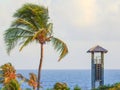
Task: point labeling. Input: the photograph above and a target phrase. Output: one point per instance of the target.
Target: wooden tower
(97, 65)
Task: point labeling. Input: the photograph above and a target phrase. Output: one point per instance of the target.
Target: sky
(81, 24)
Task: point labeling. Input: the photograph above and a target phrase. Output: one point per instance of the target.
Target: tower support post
(92, 71)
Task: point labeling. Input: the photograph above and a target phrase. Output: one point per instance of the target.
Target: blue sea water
(81, 78)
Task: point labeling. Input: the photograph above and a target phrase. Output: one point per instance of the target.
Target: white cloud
(86, 12)
(76, 12)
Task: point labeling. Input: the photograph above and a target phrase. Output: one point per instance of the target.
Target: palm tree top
(31, 23)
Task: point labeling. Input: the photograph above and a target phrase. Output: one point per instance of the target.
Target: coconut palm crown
(31, 23)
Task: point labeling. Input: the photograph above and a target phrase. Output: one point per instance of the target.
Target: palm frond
(37, 15)
(37, 33)
(13, 35)
(23, 23)
(60, 47)
(29, 10)
(33, 80)
(49, 29)
(27, 41)
(33, 76)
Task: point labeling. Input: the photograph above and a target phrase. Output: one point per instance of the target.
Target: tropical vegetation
(61, 86)
(9, 78)
(31, 24)
(77, 88)
(115, 86)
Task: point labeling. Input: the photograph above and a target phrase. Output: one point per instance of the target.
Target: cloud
(80, 13)
(86, 12)
(108, 9)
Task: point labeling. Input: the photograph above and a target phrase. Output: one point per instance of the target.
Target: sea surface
(81, 78)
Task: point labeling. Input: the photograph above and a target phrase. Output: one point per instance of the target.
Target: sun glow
(87, 11)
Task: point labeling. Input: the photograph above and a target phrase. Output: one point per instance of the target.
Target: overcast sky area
(81, 24)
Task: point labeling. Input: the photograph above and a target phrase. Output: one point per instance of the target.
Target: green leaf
(28, 40)
(23, 23)
(60, 47)
(49, 29)
(14, 35)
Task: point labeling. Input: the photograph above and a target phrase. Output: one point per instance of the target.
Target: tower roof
(97, 49)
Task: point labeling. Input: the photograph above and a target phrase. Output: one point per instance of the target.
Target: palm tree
(32, 24)
(32, 81)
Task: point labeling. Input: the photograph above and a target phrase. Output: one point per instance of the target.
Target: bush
(61, 86)
(115, 86)
(104, 87)
(77, 87)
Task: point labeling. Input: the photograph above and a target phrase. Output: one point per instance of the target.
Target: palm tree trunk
(40, 67)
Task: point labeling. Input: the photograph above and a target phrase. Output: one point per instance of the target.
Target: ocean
(82, 78)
